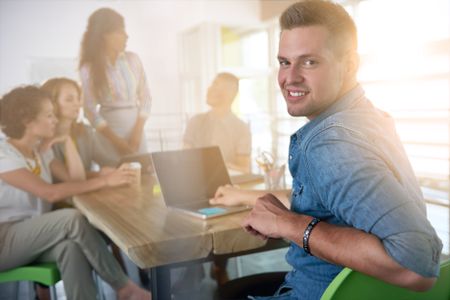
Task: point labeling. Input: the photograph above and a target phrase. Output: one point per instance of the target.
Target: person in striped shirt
(116, 96)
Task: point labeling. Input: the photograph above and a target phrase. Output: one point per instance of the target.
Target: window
(405, 69)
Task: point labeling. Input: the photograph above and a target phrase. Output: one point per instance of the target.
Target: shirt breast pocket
(296, 197)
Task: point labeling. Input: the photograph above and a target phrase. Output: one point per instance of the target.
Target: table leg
(160, 277)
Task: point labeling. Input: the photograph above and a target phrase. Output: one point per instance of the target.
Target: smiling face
(69, 102)
(311, 77)
(43, 126)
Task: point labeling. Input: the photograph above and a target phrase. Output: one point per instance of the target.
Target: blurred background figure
(220, 126)
(117, 98)
(30, 232)
(65, 94)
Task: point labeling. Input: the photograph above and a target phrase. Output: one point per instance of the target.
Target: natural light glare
(404, 47)
(405, 67)
(401, 36)
(395, 26)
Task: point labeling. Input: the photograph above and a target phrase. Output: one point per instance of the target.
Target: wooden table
(153, 236)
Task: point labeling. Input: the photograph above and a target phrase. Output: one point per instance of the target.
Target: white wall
(50, 31)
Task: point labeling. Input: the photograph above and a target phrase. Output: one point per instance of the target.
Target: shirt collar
(346, 101)
(120, 56)
(225, 116)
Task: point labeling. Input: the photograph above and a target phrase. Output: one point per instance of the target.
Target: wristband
(307, 233)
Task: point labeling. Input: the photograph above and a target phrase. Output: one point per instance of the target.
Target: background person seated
(220, 126)
(28, 230)
(65, 94)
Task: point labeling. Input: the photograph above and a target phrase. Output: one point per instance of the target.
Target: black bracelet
(307, 233)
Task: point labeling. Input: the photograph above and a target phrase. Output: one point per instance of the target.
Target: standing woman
(29, 231)
(117, 99)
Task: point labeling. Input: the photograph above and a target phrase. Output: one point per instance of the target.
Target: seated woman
(28, 231)
(65, 95)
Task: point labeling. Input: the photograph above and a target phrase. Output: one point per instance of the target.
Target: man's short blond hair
(332, 16)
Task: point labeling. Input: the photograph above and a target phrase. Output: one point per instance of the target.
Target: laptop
(145, 159)
(188, 178)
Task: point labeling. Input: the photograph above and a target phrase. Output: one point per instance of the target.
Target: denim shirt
(349, 168)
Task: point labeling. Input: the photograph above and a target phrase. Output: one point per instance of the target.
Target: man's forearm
(354, 249)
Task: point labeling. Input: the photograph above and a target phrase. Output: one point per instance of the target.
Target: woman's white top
(16, 204)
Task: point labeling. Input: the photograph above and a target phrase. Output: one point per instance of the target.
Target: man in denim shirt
(349, 169)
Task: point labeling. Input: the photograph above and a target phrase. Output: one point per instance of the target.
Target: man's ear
(352, 62)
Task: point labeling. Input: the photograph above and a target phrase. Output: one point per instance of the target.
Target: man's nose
(295, 75)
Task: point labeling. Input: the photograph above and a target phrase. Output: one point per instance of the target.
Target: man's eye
(310, 63)
(283, 63)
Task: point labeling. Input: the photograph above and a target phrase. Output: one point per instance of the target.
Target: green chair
(44, 273)
(351, 285)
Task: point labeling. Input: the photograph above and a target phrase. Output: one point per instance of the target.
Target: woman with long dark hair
(117, 98)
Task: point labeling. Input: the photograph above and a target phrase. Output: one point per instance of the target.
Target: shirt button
(290, 157)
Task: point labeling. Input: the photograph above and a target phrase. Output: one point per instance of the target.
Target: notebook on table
(188, 178)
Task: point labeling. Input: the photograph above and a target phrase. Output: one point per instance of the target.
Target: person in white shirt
(220, 126)
(29, 232)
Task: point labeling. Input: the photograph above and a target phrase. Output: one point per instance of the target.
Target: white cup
(136, 166)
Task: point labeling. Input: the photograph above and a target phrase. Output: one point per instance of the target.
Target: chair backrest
(352, 285)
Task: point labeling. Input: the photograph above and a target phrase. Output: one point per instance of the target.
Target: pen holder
(274, 178)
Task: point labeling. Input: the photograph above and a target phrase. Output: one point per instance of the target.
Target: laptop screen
(190, 175)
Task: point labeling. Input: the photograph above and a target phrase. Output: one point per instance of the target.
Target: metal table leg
(160, 277)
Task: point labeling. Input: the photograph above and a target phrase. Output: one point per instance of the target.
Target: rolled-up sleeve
(362, 190)
(143, 92)
(90, 100)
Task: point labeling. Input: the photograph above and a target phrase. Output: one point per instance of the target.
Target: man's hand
(227, 195)
(267, 218)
